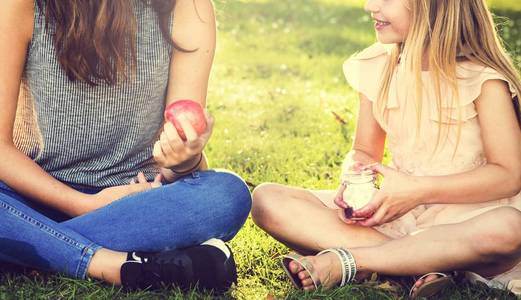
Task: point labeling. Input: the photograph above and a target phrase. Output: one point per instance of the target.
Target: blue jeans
(193, 209)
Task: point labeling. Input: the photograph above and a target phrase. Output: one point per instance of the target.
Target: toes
(327, 268)
(431, 277)
(303, 275)
(294, 267)
(418, 283)
(307, 282)
(309, 288)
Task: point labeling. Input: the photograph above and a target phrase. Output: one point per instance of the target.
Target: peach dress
(412, 151)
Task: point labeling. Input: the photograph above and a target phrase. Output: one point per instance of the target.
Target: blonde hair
(446, 31)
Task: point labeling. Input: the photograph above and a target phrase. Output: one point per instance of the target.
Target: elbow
(510, 179)
(514, 186)
(517, 186)
(6, 143)
(5, 146)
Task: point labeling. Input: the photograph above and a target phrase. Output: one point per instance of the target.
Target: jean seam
(43, 227)
(85, 259)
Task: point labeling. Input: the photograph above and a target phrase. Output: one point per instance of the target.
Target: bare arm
(368, 146)
(194, 28)
(501, 176)
(369, 142)
(16, 169)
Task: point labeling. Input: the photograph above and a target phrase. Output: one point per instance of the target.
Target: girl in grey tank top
(96, 137)
(93, 136)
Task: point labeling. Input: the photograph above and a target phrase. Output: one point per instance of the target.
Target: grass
(276, 82)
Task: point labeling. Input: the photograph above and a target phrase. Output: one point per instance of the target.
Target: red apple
(191, 110)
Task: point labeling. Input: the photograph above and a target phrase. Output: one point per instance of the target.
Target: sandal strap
(415, 279)
(302, 261)
(341, 258)
(349, 264)
(432, 273)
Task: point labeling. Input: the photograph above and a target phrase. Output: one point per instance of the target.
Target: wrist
(425, 192)
(82, 206)
(188, 166)
(168, 175)
(349, 165)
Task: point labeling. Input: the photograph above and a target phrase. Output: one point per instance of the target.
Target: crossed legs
(488, 244)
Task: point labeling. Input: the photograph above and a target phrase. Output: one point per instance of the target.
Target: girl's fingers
(173, 137)
(142, 183)
(357, 166)
(165, 144)
(141, 178)
(379, 168)
(349, 221)
(340, 202)
(190, 133)
(139, 187)
(369, 209)
(158, 178)
(157, 181)
(376, 219)
(157, 153)
(339, 198)
(342, 215)
(210, 121)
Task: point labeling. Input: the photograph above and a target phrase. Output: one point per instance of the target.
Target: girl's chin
(388, 39)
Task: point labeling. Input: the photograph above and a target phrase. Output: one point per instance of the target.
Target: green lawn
(276, 83)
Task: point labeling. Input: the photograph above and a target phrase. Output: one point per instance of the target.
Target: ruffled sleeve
(363, 70)
(471, 78)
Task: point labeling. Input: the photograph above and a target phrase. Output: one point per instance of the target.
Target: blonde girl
(440, 89)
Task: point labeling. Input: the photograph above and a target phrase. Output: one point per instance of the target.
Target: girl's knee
(263, 201)
(499, 234)
(511, 223)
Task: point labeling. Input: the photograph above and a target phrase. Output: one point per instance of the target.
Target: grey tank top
(93, 136)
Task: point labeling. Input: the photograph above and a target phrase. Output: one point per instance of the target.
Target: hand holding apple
(184, 136)
(189, 109)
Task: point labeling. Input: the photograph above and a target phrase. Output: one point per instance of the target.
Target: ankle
(362, 275)
(349, 265)
(344, 262)
(105, 265)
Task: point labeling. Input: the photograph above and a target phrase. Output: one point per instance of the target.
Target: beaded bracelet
(191, 169)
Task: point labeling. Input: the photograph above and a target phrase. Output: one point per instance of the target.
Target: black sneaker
(208, 266)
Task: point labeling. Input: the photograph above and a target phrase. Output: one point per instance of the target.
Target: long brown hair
(442, 29)
(95, 39)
